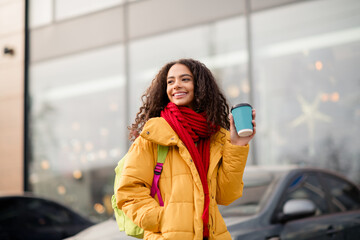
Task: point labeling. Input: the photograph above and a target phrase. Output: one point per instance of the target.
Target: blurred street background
(72, 73)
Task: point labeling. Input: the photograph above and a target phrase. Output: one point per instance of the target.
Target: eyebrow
(183, 75)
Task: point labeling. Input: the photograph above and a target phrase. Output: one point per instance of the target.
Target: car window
(344, 195)
(9, 212)
(308, 186)
(45, 213)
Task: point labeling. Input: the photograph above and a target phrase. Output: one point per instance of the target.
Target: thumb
(232, 124)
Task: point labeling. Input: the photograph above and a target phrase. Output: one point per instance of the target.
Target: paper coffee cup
(242, 114)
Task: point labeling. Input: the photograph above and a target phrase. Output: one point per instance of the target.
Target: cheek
(192, 96)
(193, 91)
(168, 93)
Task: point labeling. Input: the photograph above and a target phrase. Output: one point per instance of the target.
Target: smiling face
(180, 85)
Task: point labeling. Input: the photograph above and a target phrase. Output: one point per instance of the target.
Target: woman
(185, 110)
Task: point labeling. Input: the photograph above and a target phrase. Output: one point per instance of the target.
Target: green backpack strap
(162, 152)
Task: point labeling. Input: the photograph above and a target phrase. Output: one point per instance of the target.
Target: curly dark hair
(207, 97)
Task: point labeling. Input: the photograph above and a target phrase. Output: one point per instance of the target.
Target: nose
(177, 84)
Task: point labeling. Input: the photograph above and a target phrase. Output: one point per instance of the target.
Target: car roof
(26, 195)
(275, 171)
(270, 168)
(264, 174)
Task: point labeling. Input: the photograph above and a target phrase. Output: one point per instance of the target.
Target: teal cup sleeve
(242, 114)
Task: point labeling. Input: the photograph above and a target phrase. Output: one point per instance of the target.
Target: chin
(183, 105)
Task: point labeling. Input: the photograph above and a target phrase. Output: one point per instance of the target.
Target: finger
(233, 132)
(231, 122)
(254, 113)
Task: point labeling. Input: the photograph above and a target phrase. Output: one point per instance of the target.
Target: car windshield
(257, 185)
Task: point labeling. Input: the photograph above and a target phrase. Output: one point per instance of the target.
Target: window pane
(148, 55)
(78, 128)
(40, 12)
(306, 59)
(230, 61)
(308, 187)
(345, 196)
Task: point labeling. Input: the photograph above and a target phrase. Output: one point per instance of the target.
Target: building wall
(12, 22)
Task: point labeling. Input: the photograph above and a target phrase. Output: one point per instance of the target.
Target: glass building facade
(296, 62)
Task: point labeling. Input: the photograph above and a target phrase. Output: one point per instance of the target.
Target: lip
(182, 94)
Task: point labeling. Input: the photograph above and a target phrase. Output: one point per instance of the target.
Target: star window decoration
(310, 115)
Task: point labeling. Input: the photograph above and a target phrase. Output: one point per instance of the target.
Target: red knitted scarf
(192, 127)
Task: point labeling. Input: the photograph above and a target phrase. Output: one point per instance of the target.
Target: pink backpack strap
(162, 152)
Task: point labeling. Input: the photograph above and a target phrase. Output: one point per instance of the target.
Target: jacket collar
(158, 130)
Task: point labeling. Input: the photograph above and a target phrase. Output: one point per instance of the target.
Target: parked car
(280, 203)
(107, 230)
(26, 217)
(294, 203)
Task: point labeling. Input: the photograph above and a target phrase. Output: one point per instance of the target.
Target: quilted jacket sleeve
(133, 194)
(230, 175)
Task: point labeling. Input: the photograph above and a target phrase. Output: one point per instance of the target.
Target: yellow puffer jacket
(180, 184)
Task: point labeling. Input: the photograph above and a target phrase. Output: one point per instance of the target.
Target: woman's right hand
(235, 138)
